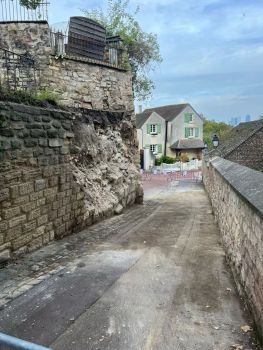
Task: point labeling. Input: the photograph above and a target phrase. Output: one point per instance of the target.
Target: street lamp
(215, 141)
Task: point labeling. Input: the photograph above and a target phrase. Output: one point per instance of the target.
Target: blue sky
(212, 52)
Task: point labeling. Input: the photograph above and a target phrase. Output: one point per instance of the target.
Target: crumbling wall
(61, 171)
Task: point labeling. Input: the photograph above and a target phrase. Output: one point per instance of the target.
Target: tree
(212, 127)
(30, 4)
(142, 48)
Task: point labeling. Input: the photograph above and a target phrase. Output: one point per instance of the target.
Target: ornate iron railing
(18, 71)
(12, 10)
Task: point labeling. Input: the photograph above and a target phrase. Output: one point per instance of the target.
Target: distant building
(244, 145)
(171, 130)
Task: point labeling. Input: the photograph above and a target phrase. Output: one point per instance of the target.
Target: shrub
(164, 159)
(184, 157)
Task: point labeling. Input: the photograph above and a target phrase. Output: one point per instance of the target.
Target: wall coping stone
(246, 182)
(92, 62)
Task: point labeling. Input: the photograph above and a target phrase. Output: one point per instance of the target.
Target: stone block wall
(80, 83)
(61, 171)
(236, 193)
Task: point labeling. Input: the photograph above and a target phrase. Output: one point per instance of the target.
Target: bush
(42, 98)
(184, 157)
(164, 159)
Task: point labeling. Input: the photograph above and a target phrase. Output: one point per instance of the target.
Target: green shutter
(196, 132)
(160, 148)
(186, 133)
(159, 128)
(147, 146)
(186, 118)
(148, 128)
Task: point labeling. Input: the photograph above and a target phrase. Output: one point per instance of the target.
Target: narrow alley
(154, 278)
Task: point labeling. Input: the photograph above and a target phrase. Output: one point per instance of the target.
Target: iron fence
(110, 52)
(18, 71)
(11, 343)
(12, 10)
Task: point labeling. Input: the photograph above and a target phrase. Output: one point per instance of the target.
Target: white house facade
(171, 130)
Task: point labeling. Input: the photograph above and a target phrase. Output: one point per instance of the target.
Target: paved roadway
(153, 278)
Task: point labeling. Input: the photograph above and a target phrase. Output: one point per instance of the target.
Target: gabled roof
(167, 112)
(187, 144)
(238, 135)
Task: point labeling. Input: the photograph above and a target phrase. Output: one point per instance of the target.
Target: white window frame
(191, 133)
(154, 148)
(153, 129)
(192, 117)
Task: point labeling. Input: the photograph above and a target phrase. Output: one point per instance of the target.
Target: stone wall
(236, 193)
(250, 152)
(61, 171)
(77, 82)
(31, 37)
(80, 83)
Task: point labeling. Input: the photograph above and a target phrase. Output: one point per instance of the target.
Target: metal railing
(11, 343)
(12, 10)
(109, 52)
(17, 71)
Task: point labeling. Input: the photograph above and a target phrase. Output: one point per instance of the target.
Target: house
(244, 145)
(171, 130)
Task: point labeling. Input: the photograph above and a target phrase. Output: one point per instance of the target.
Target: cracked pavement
(153, 278)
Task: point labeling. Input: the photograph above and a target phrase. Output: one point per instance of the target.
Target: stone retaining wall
(76, 82)
(236, 193)
(61, 171)
(79, 83)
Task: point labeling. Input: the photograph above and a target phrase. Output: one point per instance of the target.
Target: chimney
(140, 108)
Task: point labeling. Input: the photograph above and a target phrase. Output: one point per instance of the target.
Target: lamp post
(215, 141)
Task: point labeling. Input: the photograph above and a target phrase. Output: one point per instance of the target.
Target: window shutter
(159, 128)
(186, 118)
(196, 132)
(186, 133)
(148, 128)
(160, 148)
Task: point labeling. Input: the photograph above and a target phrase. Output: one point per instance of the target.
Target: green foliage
(30, 4)
(46, 95)
(211, 128)
(184, 157)
(142, 48)
(164, 159)
(42, 98)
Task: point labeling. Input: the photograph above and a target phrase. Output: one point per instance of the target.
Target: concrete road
(153, 278)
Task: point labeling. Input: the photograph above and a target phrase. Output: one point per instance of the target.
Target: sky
(212, 52)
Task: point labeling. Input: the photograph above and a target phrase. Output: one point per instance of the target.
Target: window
(154, 148)
(188, 118)
(191, 132)
(153, 129)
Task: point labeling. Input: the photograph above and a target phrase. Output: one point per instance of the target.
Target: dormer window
(153, 129)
